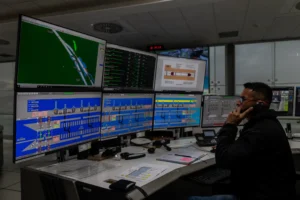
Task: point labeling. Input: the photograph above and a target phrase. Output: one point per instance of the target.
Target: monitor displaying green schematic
(50, 55)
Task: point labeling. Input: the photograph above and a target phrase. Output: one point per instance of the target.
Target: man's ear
(263, 103)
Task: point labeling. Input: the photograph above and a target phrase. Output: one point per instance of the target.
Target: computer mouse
(151, 150)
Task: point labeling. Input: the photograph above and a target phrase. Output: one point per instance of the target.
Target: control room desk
(32, 189)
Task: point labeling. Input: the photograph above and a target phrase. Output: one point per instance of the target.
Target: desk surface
(173, 172)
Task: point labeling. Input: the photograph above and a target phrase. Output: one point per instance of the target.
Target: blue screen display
(177, 110)
(126, 113)
(51, 121)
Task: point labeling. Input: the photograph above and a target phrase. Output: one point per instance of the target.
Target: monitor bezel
(132, 90)
(15, 160)
(295, 104)
(17, 86)
(177, 92)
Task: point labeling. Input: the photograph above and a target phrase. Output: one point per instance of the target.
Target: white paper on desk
(143, 173)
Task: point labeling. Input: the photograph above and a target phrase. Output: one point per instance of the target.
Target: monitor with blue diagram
(177, 110)
(49, 121)
(125, 113)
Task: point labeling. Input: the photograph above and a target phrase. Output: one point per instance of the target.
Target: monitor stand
(61, 155)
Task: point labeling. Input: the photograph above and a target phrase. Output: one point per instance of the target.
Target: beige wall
(6, 96)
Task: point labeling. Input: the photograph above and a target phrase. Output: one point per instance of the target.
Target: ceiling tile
(146, 25)
(282, 27)
(11, 2)
(259, 18)
(230, 14)
(166, 19)
(25, 7)
(5, 10)
(49, 3)
(201, 22)
(287, 7)
(132, 40)
(295, 33)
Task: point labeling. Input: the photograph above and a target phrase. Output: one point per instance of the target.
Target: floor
(10, 187)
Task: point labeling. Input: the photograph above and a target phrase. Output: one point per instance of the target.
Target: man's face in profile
(247, 100)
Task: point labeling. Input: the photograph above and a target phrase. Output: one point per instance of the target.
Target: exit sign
(155, 47)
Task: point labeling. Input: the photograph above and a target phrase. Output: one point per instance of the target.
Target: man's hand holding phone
(236, 117)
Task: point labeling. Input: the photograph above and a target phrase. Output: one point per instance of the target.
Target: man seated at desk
(260, 160)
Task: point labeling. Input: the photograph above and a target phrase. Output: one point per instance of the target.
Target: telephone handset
(259, 107)
(208, 138)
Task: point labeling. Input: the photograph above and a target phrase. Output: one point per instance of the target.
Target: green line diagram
(47, 56)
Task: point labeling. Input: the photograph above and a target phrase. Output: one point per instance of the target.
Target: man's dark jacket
(260, 160)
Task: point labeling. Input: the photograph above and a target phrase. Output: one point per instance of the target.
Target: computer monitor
(216, 110)
(49, 121)
(50, 55)
(179, 74)
(177, 110)
(129, 69)
(297, 102)
(283, 101)
(125, 113)
(199, 53)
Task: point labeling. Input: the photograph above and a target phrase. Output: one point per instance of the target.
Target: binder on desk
(182, 157)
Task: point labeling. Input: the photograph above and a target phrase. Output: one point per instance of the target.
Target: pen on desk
(183, 156)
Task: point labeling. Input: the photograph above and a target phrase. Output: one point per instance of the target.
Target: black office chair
(53, 187)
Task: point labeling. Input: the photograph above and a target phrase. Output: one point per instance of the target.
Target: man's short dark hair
(262, 90)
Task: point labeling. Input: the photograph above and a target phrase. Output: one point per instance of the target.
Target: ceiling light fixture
(110, 28)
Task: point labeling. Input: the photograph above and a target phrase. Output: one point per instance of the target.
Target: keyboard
(210, 176)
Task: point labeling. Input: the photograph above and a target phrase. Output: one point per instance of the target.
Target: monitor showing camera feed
(50, 55)
(129, 69)
(177, 110)
(216, 110)
(48, 121)
(283, 101)
(126, 113)
(179, 74)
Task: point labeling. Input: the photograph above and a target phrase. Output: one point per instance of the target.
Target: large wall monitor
(128, 69)
(177, 110)
(216, 110)
(179, 74)
(50, 55)
(48, 121)
(283, 101)
(126, 113)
